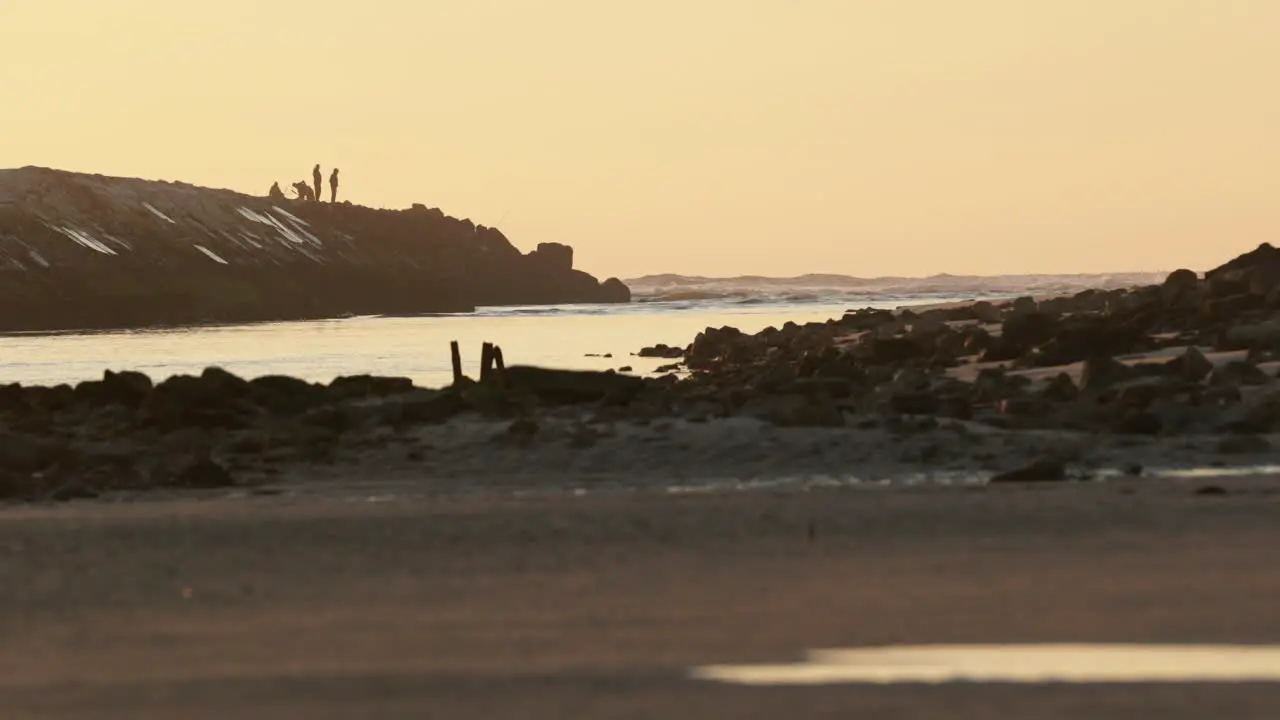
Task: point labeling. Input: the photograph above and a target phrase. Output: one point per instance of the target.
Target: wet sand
(327, 605)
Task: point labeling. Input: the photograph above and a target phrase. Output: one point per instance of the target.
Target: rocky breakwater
(1192, 357)
(86, 251)
(217, 430)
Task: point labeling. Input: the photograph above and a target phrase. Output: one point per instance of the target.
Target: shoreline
(602, 605)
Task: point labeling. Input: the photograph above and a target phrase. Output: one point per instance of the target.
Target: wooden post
(499, 368)
(486, 362)
(457, 362)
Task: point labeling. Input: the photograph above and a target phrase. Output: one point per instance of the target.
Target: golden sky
(715, 137)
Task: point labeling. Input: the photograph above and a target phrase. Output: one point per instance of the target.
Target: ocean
(667, 309)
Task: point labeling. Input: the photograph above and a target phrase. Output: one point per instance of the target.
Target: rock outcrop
(86, 251)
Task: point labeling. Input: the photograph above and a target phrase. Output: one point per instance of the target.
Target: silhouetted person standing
(315, 178)
(333, 186)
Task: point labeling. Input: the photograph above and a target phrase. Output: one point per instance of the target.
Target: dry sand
(338, 604)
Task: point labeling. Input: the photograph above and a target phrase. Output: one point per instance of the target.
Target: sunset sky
(714, 137)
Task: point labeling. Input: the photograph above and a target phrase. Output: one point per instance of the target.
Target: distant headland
(81, 251)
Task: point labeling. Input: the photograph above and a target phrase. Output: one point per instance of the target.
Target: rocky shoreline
(1178, 374)
(91, 252)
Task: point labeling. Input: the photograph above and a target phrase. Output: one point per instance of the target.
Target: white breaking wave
(843, 288)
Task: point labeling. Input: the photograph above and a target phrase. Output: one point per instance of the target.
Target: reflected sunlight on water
(1014, 664)
(415, 347)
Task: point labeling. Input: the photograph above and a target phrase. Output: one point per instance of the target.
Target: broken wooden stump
(486, 363)
(456, 357)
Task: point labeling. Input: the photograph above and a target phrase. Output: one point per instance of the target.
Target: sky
(712, 137)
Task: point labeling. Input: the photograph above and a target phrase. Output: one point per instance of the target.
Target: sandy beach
(336, 603)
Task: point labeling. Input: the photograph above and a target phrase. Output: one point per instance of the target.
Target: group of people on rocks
(305, 191)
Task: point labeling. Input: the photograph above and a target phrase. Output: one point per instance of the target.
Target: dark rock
(358, 386)
(914, 403)
(284, 395)
(1100, 372)
(1061, 389)
(1182, 279)
(1210, 490)
(73, 491)
(198, 473)
(127, 389)
(866, 319)
(626, 369)
(1191, 365)
(216, 399)
(572, 386)
(661, 351)
(1134, 421)
(1251, 336)
(615, 291)
(1038, 471)
(1244, 445)
(889, 351)
(421, 407)
(1238, 373)
(1026, 330)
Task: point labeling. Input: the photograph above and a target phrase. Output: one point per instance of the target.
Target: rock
(711, 344)
(626, 369)
(1191, 365)
(1244, 445)
(673, 367)
(1210, 490)
(27, 454)
(1135, 421)
(553, 257)
(661, 351)
(889, 351)
(421, 407)
(614, 291)
(1061, 389)
(572, 386)
(359, 386)
(194, 473)
(1101, 372)
(1258, 336)
(127, 389)
(216, 399)
(1182, 279)
(986, 313)
(1038, 471)
(1023, 306)
(866, 319)
(284, 395)
(914, 403)
(1258, 416)
(1029, 329)
(1238, 373)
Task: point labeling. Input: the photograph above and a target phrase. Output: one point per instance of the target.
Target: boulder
(362, 386)
(572, 386)
(1238, 373)
(1191, 365)
(661, 351)
(1101, 372)
(614, 290)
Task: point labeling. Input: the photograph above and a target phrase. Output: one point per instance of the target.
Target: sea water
(594, 337)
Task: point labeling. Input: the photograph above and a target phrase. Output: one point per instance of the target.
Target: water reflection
(1014, 664)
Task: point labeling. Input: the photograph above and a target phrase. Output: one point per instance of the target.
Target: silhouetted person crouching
(333, 186)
